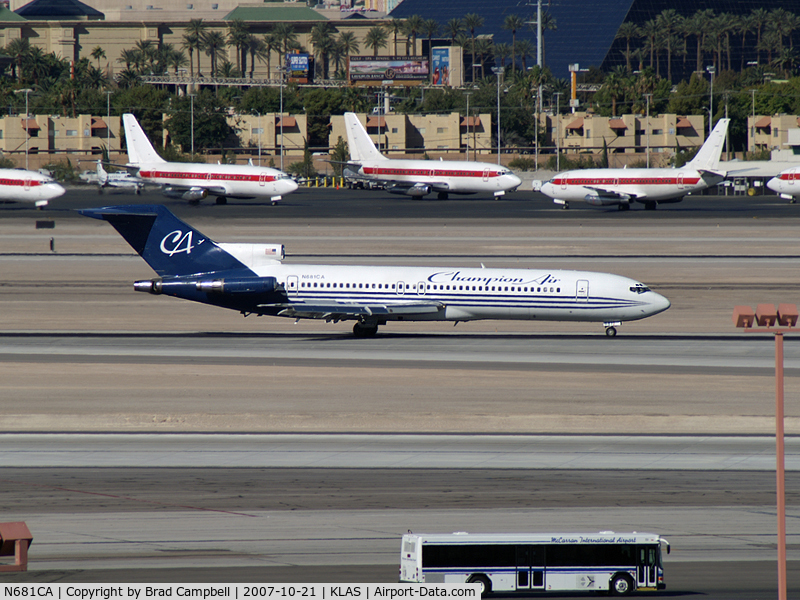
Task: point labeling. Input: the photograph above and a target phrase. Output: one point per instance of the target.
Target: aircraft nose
(660, 303)
(514, 180)
(773, 184)
(56, 189)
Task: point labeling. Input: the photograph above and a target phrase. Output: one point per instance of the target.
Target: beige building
(265, 132)
(438, 135)
(50, 137)
(629, 135)
(768, 133)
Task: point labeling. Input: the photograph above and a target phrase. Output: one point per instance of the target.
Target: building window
(394, 129)
(441, 130)
(189, 6)
(658, 131)
(214, 6)
(422, 131)
(72, 133)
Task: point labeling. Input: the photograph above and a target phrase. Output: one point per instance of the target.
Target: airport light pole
(498, 71)
(558, 131)
(108, 124)
(778, 322)
(26, 91)
(753, 124)
(647, 125)
(711, 69)
(281, 150)
(467, 94)
(259, 135)
(191, 126)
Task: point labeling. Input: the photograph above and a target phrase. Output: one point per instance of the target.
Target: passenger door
(646, 576)
(582, 290)
(530, 568)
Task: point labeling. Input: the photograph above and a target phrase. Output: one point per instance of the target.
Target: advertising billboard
(440, 66)
(388, 70)
(297, 67)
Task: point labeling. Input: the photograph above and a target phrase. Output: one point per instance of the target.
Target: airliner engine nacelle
(191, 195)
(260, 285)
(418, 190)
(594, 200)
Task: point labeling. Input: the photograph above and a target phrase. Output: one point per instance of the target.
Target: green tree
(513, 23)
(214, 46)
(323, 41)
(628, 31)
(239, 37)
(210, 126)
(193, 37)
(394, 26)
(412, 27)
(376, 39)
(98, 53)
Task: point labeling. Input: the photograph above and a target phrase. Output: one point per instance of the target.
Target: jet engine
(252, 285)
(417, 191)
(192, 195)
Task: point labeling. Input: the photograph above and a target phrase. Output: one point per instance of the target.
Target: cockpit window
(639, 288)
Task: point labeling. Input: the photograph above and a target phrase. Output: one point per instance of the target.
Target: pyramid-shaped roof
(59, 10)
(7, 15)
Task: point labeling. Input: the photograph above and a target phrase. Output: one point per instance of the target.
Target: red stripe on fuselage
(20, 182)
(427, 172)
(613, 181)
(204, 176)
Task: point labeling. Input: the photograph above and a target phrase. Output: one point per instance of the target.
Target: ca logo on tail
(180, 242)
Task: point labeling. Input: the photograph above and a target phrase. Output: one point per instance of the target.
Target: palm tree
(413, 25)
(501, 52)
(322, 40)
(128, 57)
(524, 50)
(616, 82)
(190, 42)
(172, 57)
(238, 36)
(271, 44)
(785, 61)
(668, 22)
(349, 43)
(513, 23)
(430, 27)
(258, 51)
(195, 31)
(98, 53)
(760, 17)
(700, 22)
(285, 35)
(472, 22)
(627, 31)
(394, 26)
(454, 27)
(214, 46)
(483, 48)
(649, 31)
(18, 50)
(745, 24)
(376, 38)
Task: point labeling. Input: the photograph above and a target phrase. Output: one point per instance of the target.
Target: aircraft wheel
(362, 330)
(565, 206)
(222, 200)
(138, 191)
(611, 331)
(274, 203)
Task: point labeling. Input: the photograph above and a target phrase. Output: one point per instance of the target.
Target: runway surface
(664, 428)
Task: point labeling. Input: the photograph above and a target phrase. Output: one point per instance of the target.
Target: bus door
(530, 567)
(647, 561)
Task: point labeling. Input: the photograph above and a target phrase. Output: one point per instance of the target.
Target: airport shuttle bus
(619, 563)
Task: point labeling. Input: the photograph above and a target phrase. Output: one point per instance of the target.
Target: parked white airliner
(620, 187)
(195, 181)
(787, 184)
(421, 177)
(251, 279)
(21, 185)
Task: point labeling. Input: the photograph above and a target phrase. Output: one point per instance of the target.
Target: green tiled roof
(7, 15)
(274, 13)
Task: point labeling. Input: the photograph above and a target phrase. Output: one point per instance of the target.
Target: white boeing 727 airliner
(252, 279)
(620, 187)
(419, 178)
(21, 185)
(195, 181)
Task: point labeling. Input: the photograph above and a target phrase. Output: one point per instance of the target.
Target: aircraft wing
(342, 311)
(713, 173)
(605, 192)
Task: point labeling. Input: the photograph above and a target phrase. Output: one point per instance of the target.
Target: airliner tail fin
(140, 150)
(361, 147)
(707, 159)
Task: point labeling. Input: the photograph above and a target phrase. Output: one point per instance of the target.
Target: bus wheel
(621, 585)
(486, 585)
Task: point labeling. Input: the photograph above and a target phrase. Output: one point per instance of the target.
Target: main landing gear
(611, 328)
(364, 330)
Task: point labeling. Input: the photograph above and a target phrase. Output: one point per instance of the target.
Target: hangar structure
(585, 30)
